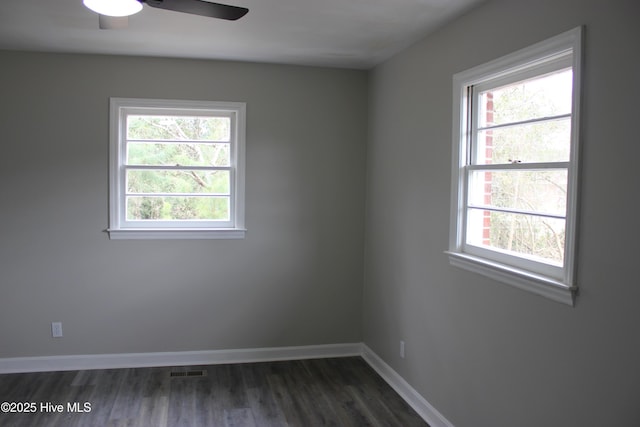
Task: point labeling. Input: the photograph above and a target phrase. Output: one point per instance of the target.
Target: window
(176, 169)
(515, 168)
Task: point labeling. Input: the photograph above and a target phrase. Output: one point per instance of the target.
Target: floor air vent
(189, 374)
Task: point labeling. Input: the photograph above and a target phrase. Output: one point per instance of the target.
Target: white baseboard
(404, 389)
(176, 358)
(216, 357)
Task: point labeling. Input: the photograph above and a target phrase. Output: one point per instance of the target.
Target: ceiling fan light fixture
(114, 7)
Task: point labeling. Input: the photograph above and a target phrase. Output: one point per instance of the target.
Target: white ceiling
(335, 33)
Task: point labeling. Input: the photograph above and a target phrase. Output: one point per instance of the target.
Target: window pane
(141, 208)
(545, 96)
(543, 191)
(178, 181)
(179, 128)
(175, 154)
(535, 142)
(527, 236)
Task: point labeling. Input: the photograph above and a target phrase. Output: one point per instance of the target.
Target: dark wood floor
(321, 392)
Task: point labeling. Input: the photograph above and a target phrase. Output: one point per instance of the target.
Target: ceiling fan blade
(200, 7)
(113, 22)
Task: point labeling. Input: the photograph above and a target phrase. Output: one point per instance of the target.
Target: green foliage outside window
(540, 191)
(182, 144)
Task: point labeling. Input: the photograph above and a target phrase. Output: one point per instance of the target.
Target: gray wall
(483, 353)
(295, 280)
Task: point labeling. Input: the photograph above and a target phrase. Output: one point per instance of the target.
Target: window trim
(561, 288)
(119, 108)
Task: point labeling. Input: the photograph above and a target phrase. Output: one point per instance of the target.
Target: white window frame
(554, 282)
(119, 226)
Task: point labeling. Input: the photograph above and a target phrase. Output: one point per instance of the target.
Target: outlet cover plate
(56, 329)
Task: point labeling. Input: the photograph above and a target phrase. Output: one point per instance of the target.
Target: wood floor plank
(154, 412)
(344, 392)
(105, 393)
(240, 417)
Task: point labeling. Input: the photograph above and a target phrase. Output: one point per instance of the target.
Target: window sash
(176, 223)
(561, 62)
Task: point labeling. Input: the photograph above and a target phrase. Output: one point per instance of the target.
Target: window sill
(539, 285)
(176, 233)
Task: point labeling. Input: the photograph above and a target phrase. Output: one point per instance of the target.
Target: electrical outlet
(56, 329)
(402, 349)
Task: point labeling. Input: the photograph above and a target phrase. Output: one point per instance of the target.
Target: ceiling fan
(115, 13)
